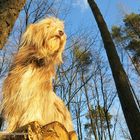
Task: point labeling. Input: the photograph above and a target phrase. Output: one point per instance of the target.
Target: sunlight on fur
(28, 92)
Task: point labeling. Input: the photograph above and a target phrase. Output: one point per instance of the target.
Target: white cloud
(81, 3)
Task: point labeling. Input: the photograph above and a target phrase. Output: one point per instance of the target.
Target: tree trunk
(9, 10)
(89, 110)
(128, 104)
(105, 104)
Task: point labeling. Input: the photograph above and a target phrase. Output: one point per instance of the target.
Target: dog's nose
(60, 32)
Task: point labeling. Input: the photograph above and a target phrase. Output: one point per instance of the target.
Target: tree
(127, 36)
(99, 121)
(128, 104)
(9, 11)
(83, 58)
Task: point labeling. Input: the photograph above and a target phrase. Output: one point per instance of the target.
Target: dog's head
(47, 38)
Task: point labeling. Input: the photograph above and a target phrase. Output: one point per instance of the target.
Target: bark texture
(128, 104)
(9, 11)
(34, 131)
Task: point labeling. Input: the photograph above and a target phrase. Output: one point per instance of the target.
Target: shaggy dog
(28, 92)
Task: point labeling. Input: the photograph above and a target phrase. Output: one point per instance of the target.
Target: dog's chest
(37, 101)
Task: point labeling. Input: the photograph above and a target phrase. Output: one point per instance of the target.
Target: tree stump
(34, 131)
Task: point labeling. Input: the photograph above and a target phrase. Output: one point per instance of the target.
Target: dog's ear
(27, 37)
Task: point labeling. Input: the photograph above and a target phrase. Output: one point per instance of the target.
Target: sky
(112, 10)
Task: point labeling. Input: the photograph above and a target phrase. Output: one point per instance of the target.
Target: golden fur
(28, 92)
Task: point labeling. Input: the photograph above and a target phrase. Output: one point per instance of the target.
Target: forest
(99, 80)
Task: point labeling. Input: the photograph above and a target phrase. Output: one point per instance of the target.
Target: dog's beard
(54, 44)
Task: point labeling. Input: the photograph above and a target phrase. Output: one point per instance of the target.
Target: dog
(28, 90)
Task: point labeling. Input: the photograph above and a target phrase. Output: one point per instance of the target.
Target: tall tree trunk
(105, 104)
(9, 10)
(129, 107)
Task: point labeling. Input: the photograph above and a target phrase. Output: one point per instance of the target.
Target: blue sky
(112, 10)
